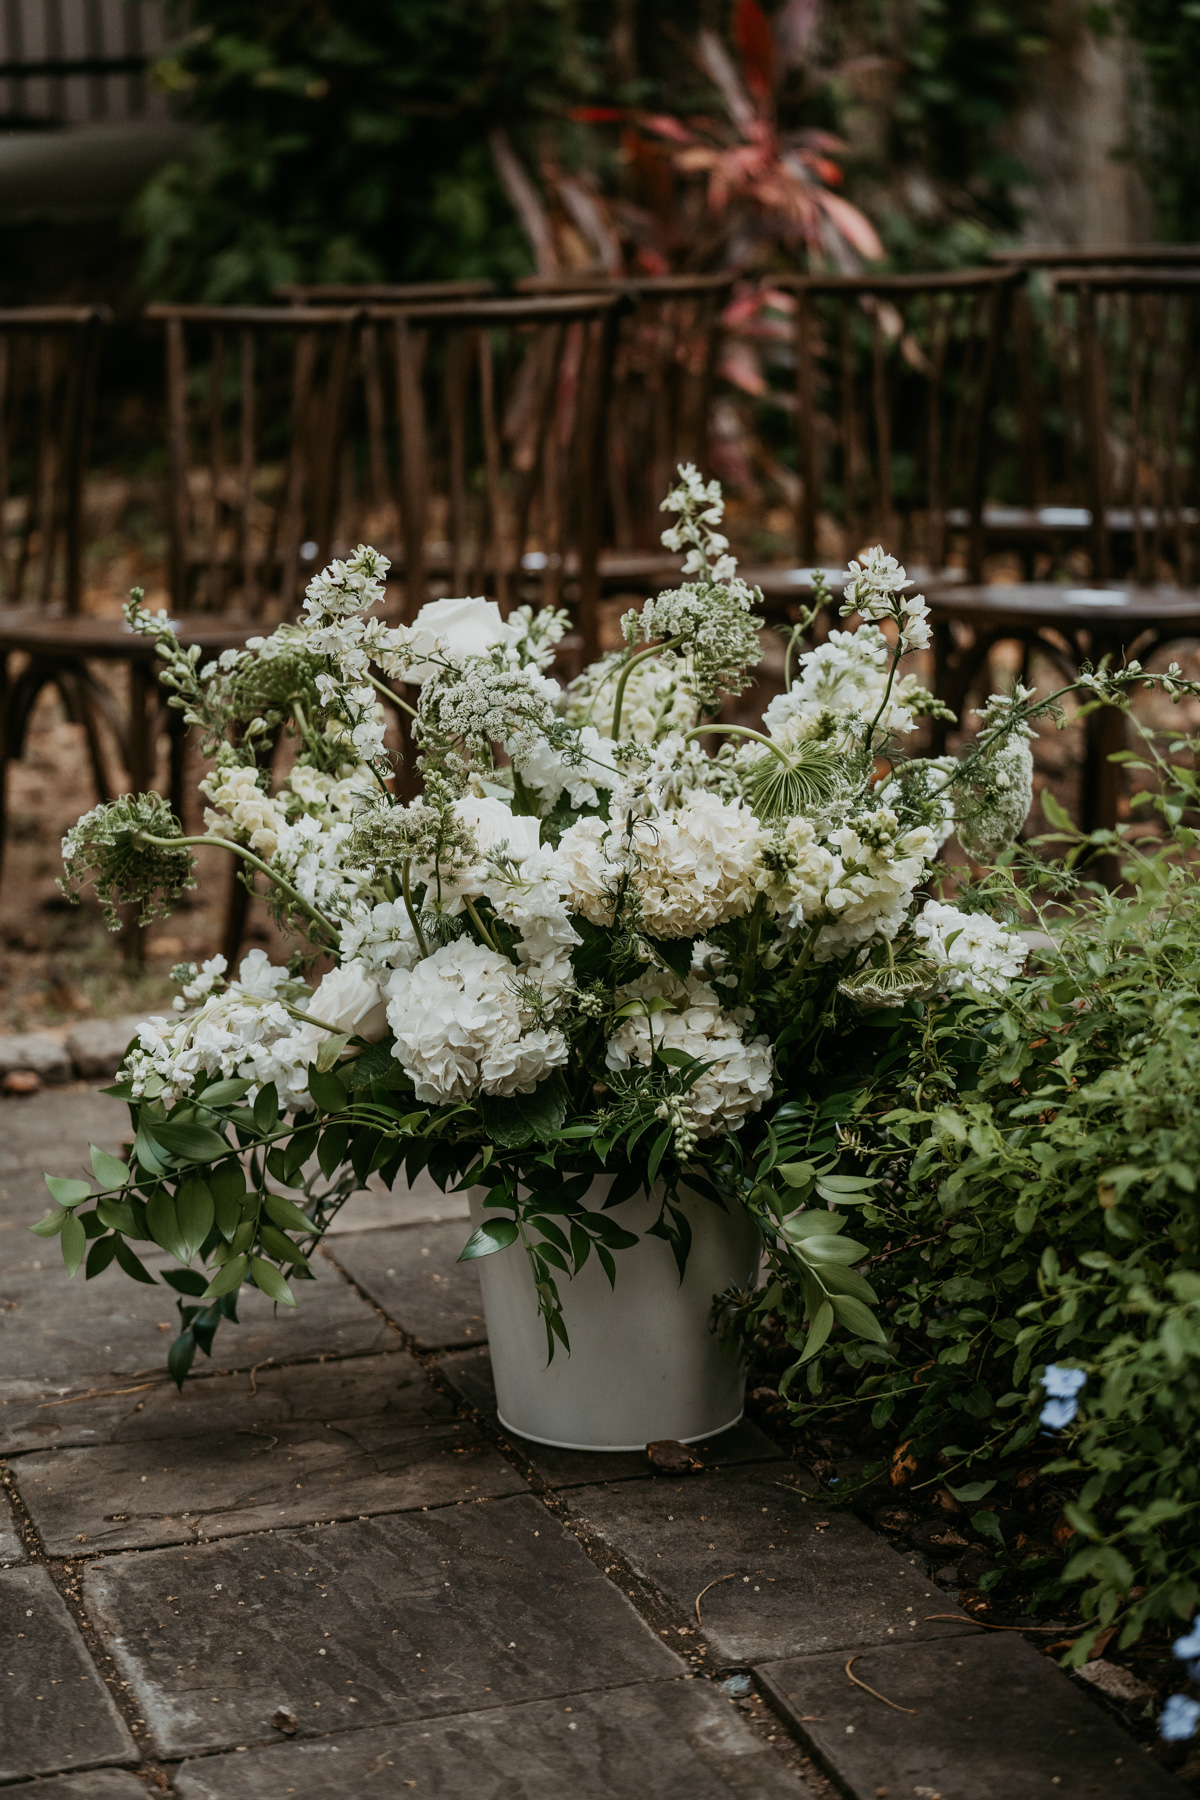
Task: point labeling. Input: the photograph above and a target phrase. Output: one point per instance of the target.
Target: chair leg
(75, 687)
(237, 905)
(177, 740)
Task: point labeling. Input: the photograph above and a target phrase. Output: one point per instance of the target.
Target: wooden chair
(486, 420)
(894, 384)
(47, 378)
(662, 385)
(382, 293)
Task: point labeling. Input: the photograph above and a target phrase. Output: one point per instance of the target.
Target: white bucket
(645, 1363)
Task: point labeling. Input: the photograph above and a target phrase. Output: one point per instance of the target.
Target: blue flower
(1178, 1719)
(1062, 1387)
(1187, 1649)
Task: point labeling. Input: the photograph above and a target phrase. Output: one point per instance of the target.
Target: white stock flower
(846, 674)
(740, 1078)
(459, 1027)
(241, 809)
(380, 937)
(971, 949)
(582, 774)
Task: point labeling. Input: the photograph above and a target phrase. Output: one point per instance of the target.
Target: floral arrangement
(609, 934)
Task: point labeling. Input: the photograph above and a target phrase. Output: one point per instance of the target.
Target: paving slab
(786, 1574)
(36, 1050)
(96, 1047)
(370, 1623)
(376, 1205)
(990, 1717)
(57, 1712)
(61, 1337)
(469, 1372)
(50, 1132)
(394, 1385)
(96, 1784)
(12, 1549)
(253, 1478)
(677, 1740)
(413, 1273)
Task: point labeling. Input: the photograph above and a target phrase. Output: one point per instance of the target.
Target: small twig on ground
(99, 1394)
(704, 1590)
(957, 1619)
(895, 1706)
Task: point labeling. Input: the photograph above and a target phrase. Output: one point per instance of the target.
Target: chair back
(48, 360)
(486, 419)
(337, 293)
(1126, 344)
(257, 425)
(895, 378)
(1098, 256)
(662, 386)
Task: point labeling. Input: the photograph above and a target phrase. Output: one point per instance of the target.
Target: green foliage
(349, 142)
(1167, 33)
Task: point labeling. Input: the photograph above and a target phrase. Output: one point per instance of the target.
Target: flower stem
(395, 699)
(406, 891)
(741, 731)
(479, 925)
(179, 843)
(627, 671)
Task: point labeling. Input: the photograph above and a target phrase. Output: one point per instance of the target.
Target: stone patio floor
(324, 1570)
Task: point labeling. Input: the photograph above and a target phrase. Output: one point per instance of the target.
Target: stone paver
(368, 1624)
(676, 1740)
(96, 1784)
(360, 1386)
(12, 1550)
(96, 1046)
(59, 1336)
(786, 1573)
(50, 1133)
(419, 1204)
(57, 1712)
(224, 1481)
(470, 1373)
(413, 1273)
(47, 1056)
(990, 1717)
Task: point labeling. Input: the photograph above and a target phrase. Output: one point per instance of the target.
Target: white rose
(493, 825)
(456, 629)
(349, 1000)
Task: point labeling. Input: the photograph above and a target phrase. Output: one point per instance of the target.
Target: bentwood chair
(1126, 347)
(662, 386)
(382, 293)
(488, 426)
(47, 377)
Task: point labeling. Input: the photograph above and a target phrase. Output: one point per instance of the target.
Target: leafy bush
(1036, 1202)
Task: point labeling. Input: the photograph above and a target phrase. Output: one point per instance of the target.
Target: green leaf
(164, 1225)
(813, 1223)
(52, 1224)
(796, 1174)
(179, 1357)
(657, 1151)
(118, 1216)
(185, 1281)
(226, 1092)
(99, 1257)
(857, 1318)
(194, 1212)
(330, 1050)
(148, 1152)
(110, 1171)
(193, 1143)
(266, 1109)
(1056, 814)
(67, 1192)
(492, 1235)
(280, 1247)
(227, 1184)
(327, 1090)
(132, 1264)
(818, 1331)
(675, 952)
(74, 1242)
(988, 1526)
(286, 1214)
(267, 1277)
(972, 1490)
(331, 1151)
(227, 1278)
(523, 1119)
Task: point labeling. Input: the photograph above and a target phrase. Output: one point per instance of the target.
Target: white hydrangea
(460, 1029)
(971, 949)
(692, 868)
(739, 1080)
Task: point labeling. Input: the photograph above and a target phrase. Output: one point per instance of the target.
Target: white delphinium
(876, 590)
(739, 1080)
(332, 627)
(700, 506)
(691, 868)
(970, 949)
(460, 1029)
(995, 791)
(244, 1030)
(846, 675)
